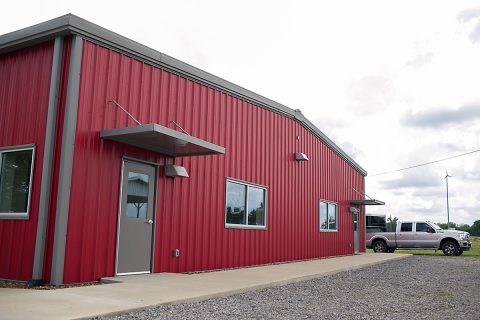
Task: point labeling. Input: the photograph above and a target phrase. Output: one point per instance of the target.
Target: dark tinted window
(376, 221)
(422, 227)
(376, 224)
(406, 227)
(245, 204)
(15, 168)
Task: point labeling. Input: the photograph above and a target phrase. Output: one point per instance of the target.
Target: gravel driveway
(419, 287)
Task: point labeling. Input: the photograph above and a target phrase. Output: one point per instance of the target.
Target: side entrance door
(135, 230)
(356, 231)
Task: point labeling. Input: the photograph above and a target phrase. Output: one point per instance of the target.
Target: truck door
(405, 236)
(425, 236)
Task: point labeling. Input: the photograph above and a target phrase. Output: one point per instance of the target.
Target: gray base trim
(47, 161)
(66, 161)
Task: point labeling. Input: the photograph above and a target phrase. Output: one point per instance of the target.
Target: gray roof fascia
(35, 34)
(302, 119)
(114, 40)
(71, 24)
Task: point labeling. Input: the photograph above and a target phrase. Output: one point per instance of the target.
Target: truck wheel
(391, 250)
(459, 253)
(450, 248)
(380, 246)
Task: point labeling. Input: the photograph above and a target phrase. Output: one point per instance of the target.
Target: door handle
(149, 221)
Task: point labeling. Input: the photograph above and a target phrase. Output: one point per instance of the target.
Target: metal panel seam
(66, 162)
(47, 160)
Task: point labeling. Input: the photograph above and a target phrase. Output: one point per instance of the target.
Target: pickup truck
(420, 235)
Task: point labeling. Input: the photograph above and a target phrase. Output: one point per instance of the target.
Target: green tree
(442, 225)
(391, 224)
(475, 229)
(464, 227)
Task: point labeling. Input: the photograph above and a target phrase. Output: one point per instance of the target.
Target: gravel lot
(419, 287)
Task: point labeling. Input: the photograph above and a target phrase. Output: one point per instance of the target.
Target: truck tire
(391, 250)
(450, 248)
(380, 246)
(459, 253)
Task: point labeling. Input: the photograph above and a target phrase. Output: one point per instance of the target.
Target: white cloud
(467, 16)
(437, 118)
(420, 60)
(354, 68)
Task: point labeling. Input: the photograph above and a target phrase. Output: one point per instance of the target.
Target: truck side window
(422, 227)
(406, 227)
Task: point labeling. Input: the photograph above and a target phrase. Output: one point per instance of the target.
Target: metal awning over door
(163, 140)
(367, 202)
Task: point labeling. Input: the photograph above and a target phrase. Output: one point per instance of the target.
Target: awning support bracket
(125, 110)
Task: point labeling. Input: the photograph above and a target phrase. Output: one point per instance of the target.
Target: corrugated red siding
(24, 91)
(260, 147)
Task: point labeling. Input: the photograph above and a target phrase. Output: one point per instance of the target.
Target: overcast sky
(394, 83)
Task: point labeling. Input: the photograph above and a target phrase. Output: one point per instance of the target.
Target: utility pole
(448, 207)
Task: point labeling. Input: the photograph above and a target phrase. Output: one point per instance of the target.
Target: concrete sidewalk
(143, 291)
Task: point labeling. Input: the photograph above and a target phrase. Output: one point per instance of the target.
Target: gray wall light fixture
(175, 171)
(354, 210)
(299, 156)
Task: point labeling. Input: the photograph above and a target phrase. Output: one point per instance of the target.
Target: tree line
(473, 229)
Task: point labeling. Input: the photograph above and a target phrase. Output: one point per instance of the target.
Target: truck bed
(389, 238)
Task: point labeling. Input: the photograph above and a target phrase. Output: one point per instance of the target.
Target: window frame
(327, 202)
(422, 223)
(19, 215)
(407, 223)
(246, 225)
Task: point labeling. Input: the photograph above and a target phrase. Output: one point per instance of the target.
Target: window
(376, 223)
(137, 195)
(245, 205)
(328, 216)
(406, 227)
(15, 182)
(423, 227)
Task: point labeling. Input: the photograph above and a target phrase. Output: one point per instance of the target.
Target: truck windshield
(435, 226)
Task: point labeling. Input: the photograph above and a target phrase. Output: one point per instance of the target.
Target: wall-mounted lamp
(174, 171)
(354, 210)
(299, 156)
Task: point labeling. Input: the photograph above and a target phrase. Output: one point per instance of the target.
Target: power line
(425, 164)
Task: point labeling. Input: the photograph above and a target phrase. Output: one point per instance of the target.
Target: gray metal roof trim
(307, 123)
(135, 49)
(34, 34)
(70, 23)
(36, 31)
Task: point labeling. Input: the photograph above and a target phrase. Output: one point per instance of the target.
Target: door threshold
(132, 273)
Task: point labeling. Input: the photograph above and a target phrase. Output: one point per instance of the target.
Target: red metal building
(118, 159)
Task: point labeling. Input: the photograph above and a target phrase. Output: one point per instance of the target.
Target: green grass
(442, 293)
(474, 252)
